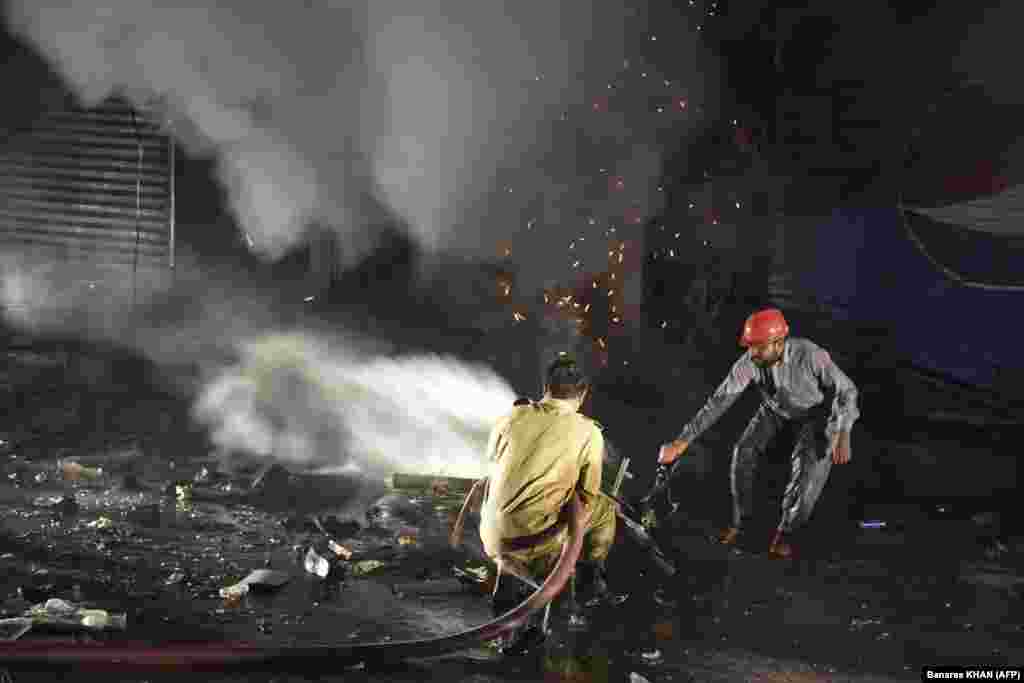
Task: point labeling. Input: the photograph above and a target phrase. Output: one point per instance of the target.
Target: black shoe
(594, 587)
(525, 640)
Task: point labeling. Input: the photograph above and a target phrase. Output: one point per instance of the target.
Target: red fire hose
(26, 655)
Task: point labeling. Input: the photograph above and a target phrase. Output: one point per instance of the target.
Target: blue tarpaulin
(944, 293)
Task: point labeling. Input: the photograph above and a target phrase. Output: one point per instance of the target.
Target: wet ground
(859, 605)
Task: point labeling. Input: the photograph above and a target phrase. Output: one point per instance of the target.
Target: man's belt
(511, 545)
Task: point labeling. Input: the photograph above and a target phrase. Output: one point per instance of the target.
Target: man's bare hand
(841, 452)
(672, 450)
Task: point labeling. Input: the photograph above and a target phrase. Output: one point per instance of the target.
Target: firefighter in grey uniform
(794, 375)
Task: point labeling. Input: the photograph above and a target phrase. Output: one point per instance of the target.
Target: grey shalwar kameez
(793, 395)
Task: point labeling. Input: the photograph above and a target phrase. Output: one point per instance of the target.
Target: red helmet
(764, 326)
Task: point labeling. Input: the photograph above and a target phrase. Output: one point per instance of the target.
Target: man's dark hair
(565, 380)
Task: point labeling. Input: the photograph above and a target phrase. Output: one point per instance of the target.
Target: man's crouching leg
(593, 578)
(538, 561)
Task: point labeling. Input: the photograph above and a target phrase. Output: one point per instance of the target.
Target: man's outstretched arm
(734, 384)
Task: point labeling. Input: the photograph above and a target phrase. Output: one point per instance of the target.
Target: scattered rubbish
(663, 599)
(858, 624)
(578, 622)
(477, 575)
(651, 656)
(72, 471)
(366, 567)
(481, 572)
(634, 677)
(57, 612)
(177, 578)
(873, 524)
(12, 629)
(180, 490)
(236, 591)
(266, 580)
(664, 630)
(101, 523)
(207, 476)
(407, 540)
(316, 564)
(340, 550)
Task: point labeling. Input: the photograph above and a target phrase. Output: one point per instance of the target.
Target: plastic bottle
(101, 619)
(62, 612)
(235, 591)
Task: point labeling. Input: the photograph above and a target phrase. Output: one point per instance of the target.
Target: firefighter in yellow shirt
(542, 454)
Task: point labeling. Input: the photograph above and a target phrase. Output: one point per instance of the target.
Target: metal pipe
(429, 481)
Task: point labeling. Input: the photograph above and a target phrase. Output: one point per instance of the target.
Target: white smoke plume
(318, 112)
(312, 108)
(302, 401)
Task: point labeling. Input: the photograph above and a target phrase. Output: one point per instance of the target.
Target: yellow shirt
(539, 454)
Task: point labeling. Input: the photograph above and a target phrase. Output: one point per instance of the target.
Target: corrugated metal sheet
(95, 186)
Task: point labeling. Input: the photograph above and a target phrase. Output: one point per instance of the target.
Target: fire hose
(240, 656)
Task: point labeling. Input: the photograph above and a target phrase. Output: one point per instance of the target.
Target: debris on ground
(340, 550)
(57, 612)
(316, 564)
(366, 567)
(12, 629)
(634, 677)
(177, 578)
(72, 471)
(65, 506)
(207, 476)
(482, 573)
(101, 523)
(179, 490)
(261, 580)
(859, 624)
(234, 591)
